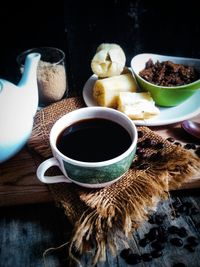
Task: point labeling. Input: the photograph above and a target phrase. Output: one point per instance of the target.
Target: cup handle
(44, 166)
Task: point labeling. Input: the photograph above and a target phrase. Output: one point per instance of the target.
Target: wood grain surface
(18, 181)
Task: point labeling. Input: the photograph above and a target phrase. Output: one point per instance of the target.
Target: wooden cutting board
(19, 184)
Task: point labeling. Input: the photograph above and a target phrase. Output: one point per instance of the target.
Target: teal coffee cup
(92, 146)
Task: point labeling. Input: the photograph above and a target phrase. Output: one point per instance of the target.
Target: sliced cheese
(137, 106)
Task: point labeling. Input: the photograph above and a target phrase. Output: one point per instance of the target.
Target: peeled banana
(137, 106)
(106, 91)
(108, 61)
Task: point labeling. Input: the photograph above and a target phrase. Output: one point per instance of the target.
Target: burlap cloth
(97, 215)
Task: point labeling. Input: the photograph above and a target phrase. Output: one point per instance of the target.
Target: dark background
(78, 27)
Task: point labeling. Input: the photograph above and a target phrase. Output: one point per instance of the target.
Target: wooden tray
(19, 184)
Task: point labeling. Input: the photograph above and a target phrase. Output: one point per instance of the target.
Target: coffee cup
(92, 146)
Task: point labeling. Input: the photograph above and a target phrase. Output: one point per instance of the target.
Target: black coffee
(93, 140)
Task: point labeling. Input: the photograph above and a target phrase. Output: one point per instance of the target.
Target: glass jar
(51, 74)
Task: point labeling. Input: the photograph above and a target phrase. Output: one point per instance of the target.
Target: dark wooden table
(29, 221)
(27, 231)
(171, 255)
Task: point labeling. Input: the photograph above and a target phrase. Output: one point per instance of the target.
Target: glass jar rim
(21, 57)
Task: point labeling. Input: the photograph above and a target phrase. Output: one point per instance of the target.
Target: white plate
(168, 115)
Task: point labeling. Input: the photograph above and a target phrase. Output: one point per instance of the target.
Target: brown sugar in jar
(51, 82)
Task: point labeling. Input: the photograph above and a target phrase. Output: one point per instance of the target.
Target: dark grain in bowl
(168, 73)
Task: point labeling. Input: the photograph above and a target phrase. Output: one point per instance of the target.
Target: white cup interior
(87, 113)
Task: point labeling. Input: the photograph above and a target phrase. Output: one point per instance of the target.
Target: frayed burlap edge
(124, 213)
(129, 209)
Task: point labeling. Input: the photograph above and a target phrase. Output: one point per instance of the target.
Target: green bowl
(163, 95)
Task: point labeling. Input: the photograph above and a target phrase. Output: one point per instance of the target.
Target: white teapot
(18, 105)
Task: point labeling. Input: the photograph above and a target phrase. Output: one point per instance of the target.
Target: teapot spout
(29, 81)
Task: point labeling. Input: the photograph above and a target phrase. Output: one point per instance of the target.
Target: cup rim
(34, 50)
(101, 163)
